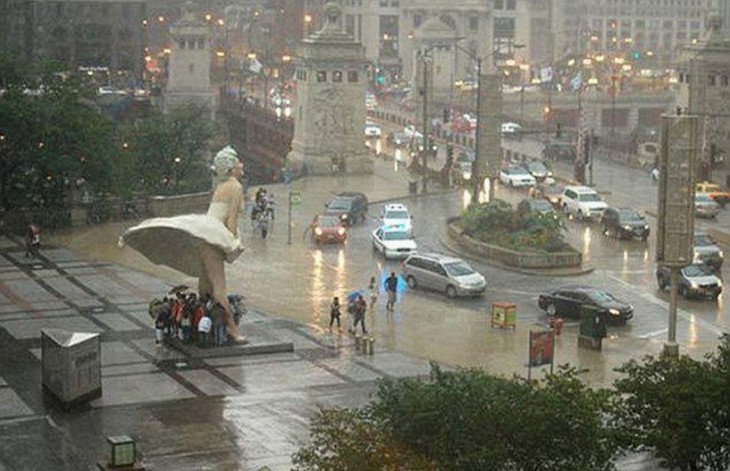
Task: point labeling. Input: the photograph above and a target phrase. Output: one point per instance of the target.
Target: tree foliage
(498, 223)
(168, 151)
(678, 408)
(468, 420)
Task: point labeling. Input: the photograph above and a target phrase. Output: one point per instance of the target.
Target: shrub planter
(514, 258)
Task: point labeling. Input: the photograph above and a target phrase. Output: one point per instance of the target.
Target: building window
(711, 80)
(417, 21)
(201, 43)
(499, 4)
(181, 43)
(321, 76)
(724, 80)
(352, 76)
(473, 23)
(302, 75)
(511, 4)
(337, 76)
(383, 3)
(191, 69)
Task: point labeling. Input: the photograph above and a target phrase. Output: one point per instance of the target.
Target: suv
(349, 206)
(582, 202)
(396, 215)
(443, 273)
(625, 223)
(706, 252)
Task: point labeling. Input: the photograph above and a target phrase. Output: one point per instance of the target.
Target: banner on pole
(541, 347)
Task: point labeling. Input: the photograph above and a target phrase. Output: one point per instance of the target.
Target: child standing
(335, 313)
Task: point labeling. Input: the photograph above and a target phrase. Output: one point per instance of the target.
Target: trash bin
(413, 187)
(71, 365)
(592, 328)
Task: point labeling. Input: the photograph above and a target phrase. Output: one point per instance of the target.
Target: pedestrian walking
(391, 287)
(360, 308)
(32, 241)
(335, 313)
(373, 291)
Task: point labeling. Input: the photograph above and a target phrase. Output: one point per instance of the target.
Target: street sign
(295, 198)
(675, 216)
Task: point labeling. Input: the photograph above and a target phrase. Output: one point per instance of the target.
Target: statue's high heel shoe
(239, 340)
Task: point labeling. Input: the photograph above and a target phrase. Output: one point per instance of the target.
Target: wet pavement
(252, 411)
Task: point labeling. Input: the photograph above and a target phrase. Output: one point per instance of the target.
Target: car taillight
(318, 231)
(341, 231)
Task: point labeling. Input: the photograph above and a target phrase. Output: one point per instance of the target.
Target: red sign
(541, 347)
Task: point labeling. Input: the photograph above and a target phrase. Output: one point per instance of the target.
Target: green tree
(167, 152)
(469, 420)
(678, 408)
(50, 138)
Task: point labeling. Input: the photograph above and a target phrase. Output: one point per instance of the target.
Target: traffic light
(450, 152)
(379, 77)
(636, 55)
(446, 115)
(558, 131)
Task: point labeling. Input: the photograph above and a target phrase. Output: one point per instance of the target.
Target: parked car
(715, 191)
(397, 215)
(372, 129)
(705, 207)
(350, 207)
(538, 169)
(463, 164)
(328, 228)
(400, 139)
(706, 252)
(411, 132)
(568, 301)
(393, 241)
(539, 206)
(510, 129)
(443, 273)
(625, 223)
(695, 281)
(582, 202)
(516, 177)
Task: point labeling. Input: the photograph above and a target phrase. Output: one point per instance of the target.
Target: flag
(546, 74)
(255, 66)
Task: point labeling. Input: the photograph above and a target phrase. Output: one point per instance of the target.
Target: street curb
(411, 196)
(445, 241)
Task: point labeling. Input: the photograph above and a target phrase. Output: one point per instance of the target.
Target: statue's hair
(224, 161)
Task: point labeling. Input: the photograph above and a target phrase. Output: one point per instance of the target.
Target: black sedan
(694, 281)
(568, 301)
(349, 206)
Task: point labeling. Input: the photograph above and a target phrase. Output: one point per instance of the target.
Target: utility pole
(424, 148)
(478, 163)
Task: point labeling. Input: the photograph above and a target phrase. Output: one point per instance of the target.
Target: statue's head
(224, 161)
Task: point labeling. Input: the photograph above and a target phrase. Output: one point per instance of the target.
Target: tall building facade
(657, 29)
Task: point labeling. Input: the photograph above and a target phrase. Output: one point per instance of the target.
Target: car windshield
(517, 171)
(600, 297)
(703, 240)
(696, 270)
(589, 197)
(702, 199)
(396, 215)
(458, 268)
(340, 204)
(541, 205)
(630, 215)
(396, 235)
(328, 221)
(537, 167)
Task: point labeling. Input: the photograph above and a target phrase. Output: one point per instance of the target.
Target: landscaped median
(520, 259)
(520, 238)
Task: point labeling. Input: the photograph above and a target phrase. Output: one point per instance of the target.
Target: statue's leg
(215, 275)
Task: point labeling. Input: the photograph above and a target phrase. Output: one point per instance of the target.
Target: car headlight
(627, 227)
(696, 257)
(719, 283)
(341, 231)
(614, 312)
(344, 216)
(318, 231)
(646, 226)
(720, 254)
(694, 285)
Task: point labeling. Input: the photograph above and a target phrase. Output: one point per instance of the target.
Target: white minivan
(582, 202)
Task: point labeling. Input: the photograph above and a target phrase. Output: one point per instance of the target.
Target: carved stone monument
(329, 118)
(189, 68)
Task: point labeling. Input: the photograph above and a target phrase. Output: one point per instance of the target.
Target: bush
(499, 224)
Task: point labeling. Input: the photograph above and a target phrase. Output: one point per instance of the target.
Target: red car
(328, 228)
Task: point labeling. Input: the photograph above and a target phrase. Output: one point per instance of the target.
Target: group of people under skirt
(192, 319)
(357, 306)
(207, 241)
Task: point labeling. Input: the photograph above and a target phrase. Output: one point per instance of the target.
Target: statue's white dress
(174, 241)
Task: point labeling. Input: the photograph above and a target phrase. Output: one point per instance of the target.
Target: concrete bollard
(370, 345)
(358, 341)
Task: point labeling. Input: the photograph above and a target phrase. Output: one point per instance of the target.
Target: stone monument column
(329, 113)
